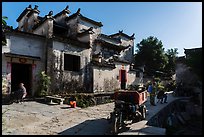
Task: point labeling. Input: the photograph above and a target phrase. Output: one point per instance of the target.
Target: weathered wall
(127, 53)
(107, 79)
(133, 80)
(184, 74)
(72, 27)
(30, 46)
(32, 21)
(59, 49)
(83, 25)
(61, 19)
(45, 29)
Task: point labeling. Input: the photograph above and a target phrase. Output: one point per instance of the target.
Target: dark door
(123, 79)
(21, 73)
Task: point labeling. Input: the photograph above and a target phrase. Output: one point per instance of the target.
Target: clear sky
(176, 24)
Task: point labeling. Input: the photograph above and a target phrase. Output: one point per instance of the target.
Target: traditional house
(72, 50)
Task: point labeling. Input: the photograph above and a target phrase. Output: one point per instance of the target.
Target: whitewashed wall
(45, 29)
(107, 79)
(83, 25)
(61, 19)
(30, 46)
(59, 49)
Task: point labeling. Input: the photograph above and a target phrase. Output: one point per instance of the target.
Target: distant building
(69, 48)
(193, 51)
(183, 72)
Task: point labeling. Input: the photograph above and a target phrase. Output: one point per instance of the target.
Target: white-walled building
(69, 48)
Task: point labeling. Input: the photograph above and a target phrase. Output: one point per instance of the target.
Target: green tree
(4, 18)
(170, 66)
(150, 53)
(44, 83)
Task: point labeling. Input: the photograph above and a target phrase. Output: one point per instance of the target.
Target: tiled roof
(117, 59)
(110, 45)
(22, 56)
(24, 33)
(62, 12)
(41, 21)
(32, 11)
(120, 33)
(101, 36)
(23, 13)
(103, 64)
(83, 18)
(85, 32)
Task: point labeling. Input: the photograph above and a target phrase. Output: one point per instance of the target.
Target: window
(71, 62)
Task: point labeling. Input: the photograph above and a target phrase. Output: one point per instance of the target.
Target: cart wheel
(143, 112)
(115, 125)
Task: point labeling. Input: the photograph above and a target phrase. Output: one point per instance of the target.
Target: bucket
(73, 104)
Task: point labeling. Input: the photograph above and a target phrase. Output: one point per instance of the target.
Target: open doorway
(21, 73)
(123, 79)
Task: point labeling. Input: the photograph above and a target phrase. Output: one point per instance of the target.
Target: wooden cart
(129, 105)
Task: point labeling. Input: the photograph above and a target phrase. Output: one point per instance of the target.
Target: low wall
(176, 112)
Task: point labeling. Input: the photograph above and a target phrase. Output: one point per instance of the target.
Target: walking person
(153, 94)
(162, 95)
(22, 91)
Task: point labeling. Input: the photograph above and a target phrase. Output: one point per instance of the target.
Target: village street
(33, 118)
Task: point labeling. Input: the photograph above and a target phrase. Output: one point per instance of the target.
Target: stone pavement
(140, 128)
(33, 118)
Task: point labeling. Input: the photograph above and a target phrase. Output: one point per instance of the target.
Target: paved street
(35, 118)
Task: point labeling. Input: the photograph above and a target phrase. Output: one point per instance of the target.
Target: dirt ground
(34, 118)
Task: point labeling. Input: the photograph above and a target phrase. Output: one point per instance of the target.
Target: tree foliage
(171, 55)
(4, 25)
(43, 84)
(151, 54)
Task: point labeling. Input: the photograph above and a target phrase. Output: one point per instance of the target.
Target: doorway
(21, 73)
(123, 79)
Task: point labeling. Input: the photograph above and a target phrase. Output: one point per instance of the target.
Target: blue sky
(176, 24)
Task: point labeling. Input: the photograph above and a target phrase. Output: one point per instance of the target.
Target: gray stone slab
(154, 130)
(138, 125)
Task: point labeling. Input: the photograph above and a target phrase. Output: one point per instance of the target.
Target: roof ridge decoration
(66, 10)
(29, 8)
(78, 11)
(33, 10)
(36, 7)
(49, 15)
(86, 31)
(120, 33)
(78, 14)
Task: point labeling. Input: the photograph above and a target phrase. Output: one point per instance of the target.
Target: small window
(137, 74)
(71, 62)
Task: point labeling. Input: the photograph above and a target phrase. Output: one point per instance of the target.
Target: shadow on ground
(89, 127)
